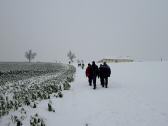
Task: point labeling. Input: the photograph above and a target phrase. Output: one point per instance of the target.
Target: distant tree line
(30, 55)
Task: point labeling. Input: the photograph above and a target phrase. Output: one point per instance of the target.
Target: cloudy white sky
(92, 29)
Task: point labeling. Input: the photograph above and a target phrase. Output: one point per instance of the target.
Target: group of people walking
(102, 72)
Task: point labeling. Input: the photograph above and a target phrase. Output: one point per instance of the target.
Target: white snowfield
(136, 96)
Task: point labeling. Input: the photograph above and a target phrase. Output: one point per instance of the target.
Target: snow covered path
(137, 96)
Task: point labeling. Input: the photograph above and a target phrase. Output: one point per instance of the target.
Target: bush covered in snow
(36, 121)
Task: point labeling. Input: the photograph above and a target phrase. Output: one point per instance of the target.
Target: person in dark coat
(106, 73)
(88, 74)
(94, 73)
(101, 75)
(83, 65)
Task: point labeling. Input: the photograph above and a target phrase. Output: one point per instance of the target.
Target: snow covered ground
(137, 96)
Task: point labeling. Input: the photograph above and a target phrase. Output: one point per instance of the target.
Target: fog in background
(92, 29)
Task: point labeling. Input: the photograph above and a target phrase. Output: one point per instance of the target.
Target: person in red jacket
(88, 74)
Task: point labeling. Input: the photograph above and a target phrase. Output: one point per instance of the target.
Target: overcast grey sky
(92, 29)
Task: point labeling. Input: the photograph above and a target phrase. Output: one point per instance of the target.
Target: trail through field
(137, 96)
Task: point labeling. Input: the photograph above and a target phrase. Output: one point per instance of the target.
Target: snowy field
(26, 84)
(136, 96)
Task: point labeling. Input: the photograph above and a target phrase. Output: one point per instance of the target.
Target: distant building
(116, 60)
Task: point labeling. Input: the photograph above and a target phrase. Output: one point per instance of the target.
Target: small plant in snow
(16, 120)
(23, 111)
(60, 94)
(19, 123)
(60, 88)
(50, 108)
(36, 121)
(33, 105)
(27, 101)
(66, 85)
(70, 79)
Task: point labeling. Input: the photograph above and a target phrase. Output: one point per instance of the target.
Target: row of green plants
(28, 94)
(12, 72)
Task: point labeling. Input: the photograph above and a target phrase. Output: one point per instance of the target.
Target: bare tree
(30, 55)
(71, 56)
